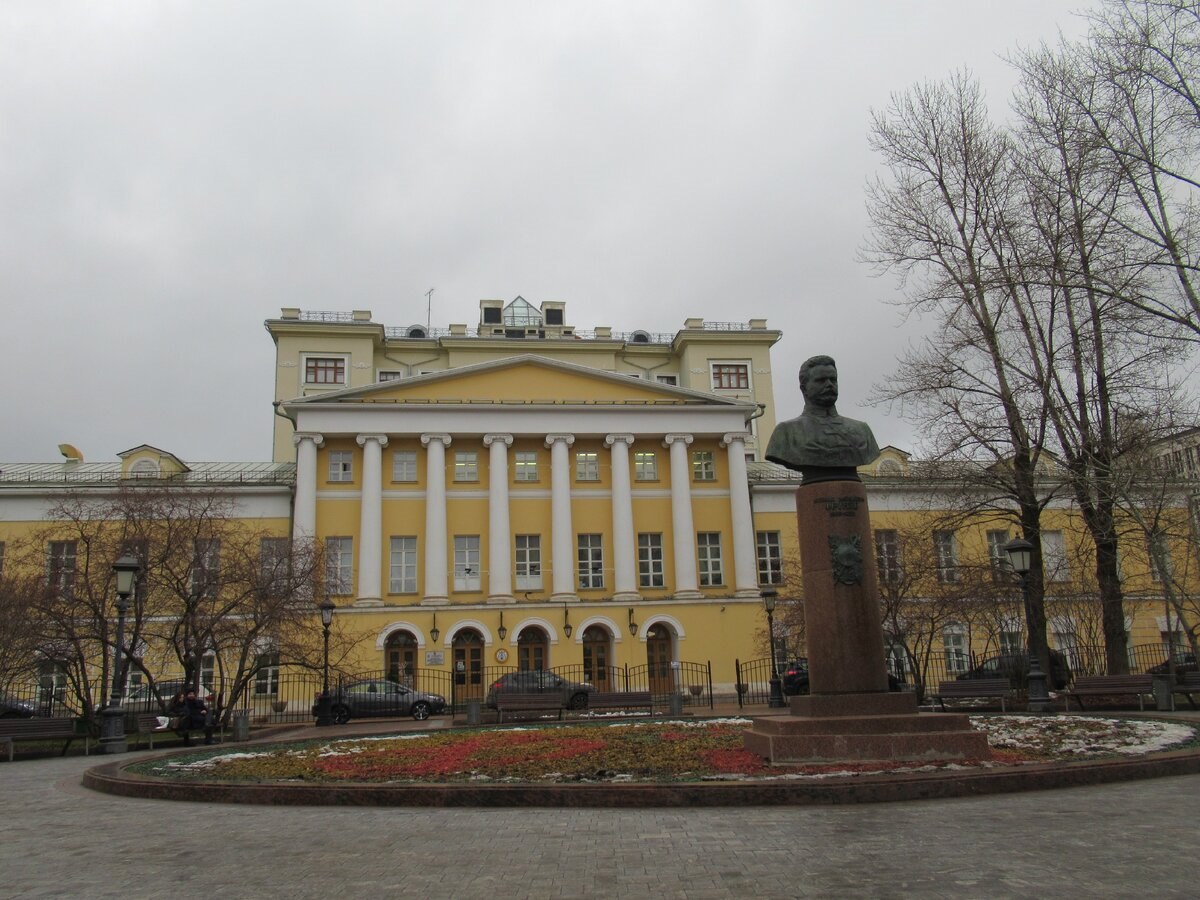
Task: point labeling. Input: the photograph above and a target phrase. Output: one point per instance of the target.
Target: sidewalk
(58, 839)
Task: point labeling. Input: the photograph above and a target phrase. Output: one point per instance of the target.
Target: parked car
(380, 697)
(794, 678)
(142, 699)
(574, 694)
(1015, 667)
(14, 708)
(1184, 662)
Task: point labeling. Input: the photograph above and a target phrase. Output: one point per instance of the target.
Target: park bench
(513, 702)
(973, 688)
(1188, 684)
(1110, 685)
(36, 729)
(602, 700)
(150, 724)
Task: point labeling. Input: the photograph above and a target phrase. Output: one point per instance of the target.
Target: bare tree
(212, 583)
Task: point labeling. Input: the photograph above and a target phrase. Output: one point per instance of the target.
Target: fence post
(708, 665)
(737, 680)
(627, 676)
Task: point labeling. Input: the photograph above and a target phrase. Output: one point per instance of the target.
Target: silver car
(380, 697)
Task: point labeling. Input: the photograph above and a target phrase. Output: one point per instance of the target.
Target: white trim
(534, 620)
(675, 624)
(614, 629)
(391, 628)
(467, 623)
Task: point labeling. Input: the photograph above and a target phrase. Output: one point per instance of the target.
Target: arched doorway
(468, 664)
(400, 657)
(533, 649)
(658, 658)
(597, 657)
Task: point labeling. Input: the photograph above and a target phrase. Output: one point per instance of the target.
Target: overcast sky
(171, 174)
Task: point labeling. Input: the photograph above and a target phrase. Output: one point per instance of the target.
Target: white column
(745, 566)
(499, 528)
(625, 584)
(562, 549)
(304, 513)
(436, 591)
(683, 532)
(370, 526)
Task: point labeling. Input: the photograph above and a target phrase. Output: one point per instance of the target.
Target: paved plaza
(58, 839)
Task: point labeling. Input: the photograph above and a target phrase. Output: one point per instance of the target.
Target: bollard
(677, 704)
(240, 727)
(473, 711)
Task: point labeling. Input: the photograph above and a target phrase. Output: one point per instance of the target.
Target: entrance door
(468, 665)
(658, 656)
(400, 657)
(533, 647)
(597, 651)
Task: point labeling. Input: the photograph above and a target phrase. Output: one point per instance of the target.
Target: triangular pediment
(521, 379)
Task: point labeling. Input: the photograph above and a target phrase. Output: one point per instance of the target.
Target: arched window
(597, 657)
(400, 657)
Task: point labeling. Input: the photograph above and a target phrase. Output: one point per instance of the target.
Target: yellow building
(530, 495)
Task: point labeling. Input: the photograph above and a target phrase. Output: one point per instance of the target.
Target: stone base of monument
(863, 728)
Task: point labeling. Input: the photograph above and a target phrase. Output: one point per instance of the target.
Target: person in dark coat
(193, 716)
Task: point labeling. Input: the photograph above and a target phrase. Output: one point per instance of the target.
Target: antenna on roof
(428, 304)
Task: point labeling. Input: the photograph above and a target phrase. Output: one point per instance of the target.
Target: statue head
(818, 381)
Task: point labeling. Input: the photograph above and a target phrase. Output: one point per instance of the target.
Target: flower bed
(648, 752)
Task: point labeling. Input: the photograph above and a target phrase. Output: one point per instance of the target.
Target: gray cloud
(171, 174)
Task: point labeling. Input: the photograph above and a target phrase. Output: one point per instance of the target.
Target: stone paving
(58, 839)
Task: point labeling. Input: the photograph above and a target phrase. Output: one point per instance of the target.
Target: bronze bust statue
(819, 438)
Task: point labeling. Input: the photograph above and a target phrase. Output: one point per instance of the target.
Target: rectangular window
(1054, 556)
(945, 548)
(339, 565)
(770, 557)
(650, 561)
(266, 675)
(730, 376)
(1156, 549)
(390, 375)
(1011, 643)
(645, 465)
(404, 465)
(60, 566)
(887, 555)
(708, 557)
(996, 539)
(466, 562)
(206, 567)
(703, 466)
(667, 379)
(587, 466)
(274, 555)
(402, 571)
(529, 562)
(341, 465)
(325, 370)
(591, 562)
(954, 642)
(526, 465)
(466, 466)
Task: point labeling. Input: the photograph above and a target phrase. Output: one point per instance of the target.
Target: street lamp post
(112, 721)
(325, 702)
(1020, 557)
(776, 698)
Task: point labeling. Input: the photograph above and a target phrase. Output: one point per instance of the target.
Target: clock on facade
(501, 655)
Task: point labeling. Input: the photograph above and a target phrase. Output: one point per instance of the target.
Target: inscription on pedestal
(840, 507)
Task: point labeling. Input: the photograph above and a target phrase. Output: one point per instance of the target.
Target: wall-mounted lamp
(433, 632)
(502, 631)
(633, 626)
(566, 622)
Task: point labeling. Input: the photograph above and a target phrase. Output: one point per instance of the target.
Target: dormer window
(144, 468)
